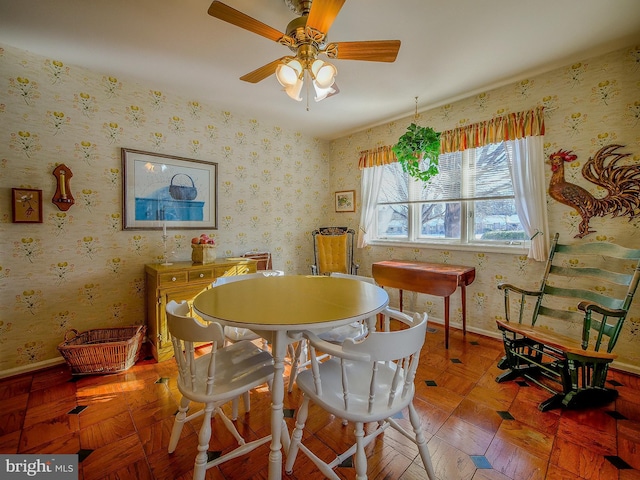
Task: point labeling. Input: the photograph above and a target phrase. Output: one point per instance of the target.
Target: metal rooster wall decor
(622, 183)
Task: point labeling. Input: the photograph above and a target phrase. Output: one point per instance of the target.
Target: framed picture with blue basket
(165, 191)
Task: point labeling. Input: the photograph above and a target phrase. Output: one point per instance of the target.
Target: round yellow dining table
(275, 306)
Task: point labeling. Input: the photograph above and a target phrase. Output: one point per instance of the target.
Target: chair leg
(200, 466)
(295, 362)
(360, 457)
(296, 437)
(178, 423)
(246, 399)
(421, 442)
(234, 408)
(285, 438)
(503, 364)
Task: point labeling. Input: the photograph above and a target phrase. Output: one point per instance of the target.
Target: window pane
(440, 220)
(446, 184)
(492, 173)
(497, 220)
(393, 221)
(394, 186)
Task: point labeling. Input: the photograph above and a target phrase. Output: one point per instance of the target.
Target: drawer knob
(173, 279)
(202, 275)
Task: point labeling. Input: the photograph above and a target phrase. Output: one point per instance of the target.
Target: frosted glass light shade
(288, 74)
(324, 73)
(294, 90)
(321, 93)
(291, 75)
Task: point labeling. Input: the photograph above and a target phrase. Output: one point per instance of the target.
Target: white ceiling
(450, 49)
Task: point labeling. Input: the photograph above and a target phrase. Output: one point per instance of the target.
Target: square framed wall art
(165, 191)
(346, 201)
(26, 205)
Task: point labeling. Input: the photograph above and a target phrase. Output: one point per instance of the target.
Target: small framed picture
(26, 205)
(346, 201)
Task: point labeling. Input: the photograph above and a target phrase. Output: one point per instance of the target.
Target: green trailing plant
(417, 151)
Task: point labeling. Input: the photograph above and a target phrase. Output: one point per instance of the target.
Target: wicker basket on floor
(102, 350)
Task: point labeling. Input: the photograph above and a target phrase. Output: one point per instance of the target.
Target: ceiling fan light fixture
(306, 35)
(324, 74)
(290, 73)
(322, 93)
(294, 90)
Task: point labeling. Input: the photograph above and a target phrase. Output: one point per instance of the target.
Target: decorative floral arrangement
(203, 239)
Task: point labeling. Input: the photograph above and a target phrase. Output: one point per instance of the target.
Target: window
(471, 200)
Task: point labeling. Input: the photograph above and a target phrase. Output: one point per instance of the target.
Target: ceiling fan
(306, 36)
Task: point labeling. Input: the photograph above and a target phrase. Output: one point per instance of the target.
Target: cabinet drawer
(198, 275)
(172, 278)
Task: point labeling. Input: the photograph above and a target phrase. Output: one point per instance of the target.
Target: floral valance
(498, 129)
(377, 157)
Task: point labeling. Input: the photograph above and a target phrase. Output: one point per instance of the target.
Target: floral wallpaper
(78, 269)
(588, 104)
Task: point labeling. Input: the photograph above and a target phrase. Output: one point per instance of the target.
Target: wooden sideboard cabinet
(181, 281)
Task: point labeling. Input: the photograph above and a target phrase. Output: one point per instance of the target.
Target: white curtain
(371, 182)
(526, 156)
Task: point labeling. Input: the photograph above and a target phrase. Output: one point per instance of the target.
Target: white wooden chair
(355, 331)
(212, 379)
(364, 382)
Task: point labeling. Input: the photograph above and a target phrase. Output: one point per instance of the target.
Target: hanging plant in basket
(417, 151)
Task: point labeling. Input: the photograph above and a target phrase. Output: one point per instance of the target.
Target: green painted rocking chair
(587, 290)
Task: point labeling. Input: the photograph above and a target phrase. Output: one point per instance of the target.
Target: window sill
(468, 247)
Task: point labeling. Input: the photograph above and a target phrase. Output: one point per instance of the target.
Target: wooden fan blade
(239, 19)
(263, 72)
(371, 50)
(323, 13)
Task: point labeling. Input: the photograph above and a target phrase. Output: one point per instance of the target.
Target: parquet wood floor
(477, 429)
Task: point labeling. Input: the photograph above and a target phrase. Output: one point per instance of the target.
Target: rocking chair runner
(589, 286)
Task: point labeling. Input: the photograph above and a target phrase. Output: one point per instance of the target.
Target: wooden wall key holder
(62, 198)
